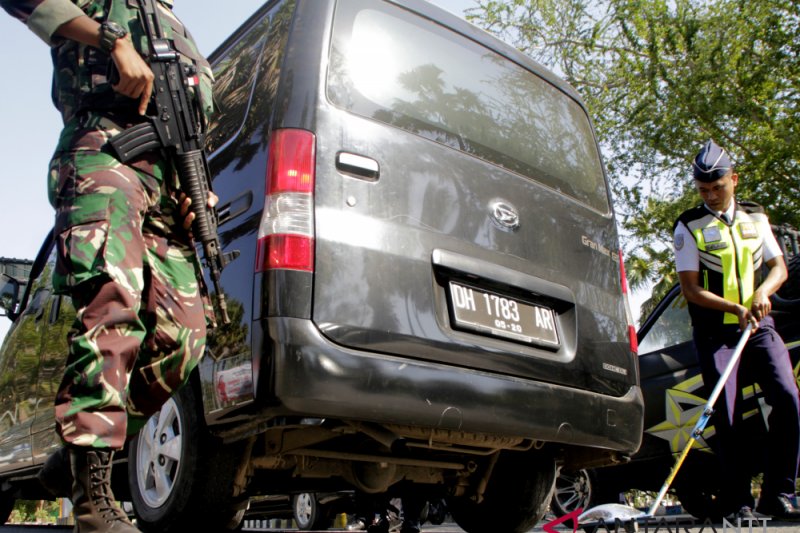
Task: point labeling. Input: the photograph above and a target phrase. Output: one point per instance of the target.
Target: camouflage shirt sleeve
(43, 17)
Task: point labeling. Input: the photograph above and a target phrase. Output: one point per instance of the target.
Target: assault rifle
(176, 126)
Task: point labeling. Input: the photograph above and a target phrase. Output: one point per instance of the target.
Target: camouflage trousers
(132, 273)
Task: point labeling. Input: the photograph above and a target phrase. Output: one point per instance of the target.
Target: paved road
(680, 525)
(671, 525)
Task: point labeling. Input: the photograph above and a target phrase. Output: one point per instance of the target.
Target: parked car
(429, 295)
(675, 395)
(309, 510)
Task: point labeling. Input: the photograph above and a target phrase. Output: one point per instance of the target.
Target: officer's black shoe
(780, 508)
(744, 514)
(409, 528)
(356, 525)
(381, 527)
(56, 475)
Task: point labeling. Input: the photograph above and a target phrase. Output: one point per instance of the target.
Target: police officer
(124, 254)
(721, 247)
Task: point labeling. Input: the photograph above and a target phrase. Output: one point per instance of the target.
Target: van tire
(308, 513)
(6, 506)
(790, 290)
(436, 512)
(516, 497)
(581, 489)
(700, 500)
(574, 489)
(198, 470)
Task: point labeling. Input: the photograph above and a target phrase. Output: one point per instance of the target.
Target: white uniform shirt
(685, 248)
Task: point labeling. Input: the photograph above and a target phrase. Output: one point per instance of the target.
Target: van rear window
(390, 65)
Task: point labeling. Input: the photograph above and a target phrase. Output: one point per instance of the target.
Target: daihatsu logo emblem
(504, 215)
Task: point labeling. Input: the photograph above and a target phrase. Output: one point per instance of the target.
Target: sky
(29, 124)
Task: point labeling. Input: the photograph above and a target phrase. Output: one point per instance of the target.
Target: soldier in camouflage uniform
(125, 256)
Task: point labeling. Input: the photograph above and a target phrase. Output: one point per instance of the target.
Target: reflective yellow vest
(731, 257)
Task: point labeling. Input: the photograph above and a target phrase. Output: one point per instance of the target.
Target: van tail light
(286, 232)
(632, 339)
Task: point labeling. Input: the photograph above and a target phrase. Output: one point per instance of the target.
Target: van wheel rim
(158, 455)
(303, 508)
(573, 491)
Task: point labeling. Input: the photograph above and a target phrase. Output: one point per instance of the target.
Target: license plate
(501, 316)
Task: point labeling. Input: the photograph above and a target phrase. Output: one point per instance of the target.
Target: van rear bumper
(314, 377)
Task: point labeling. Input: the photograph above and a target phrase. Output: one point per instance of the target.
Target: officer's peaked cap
(711, 163)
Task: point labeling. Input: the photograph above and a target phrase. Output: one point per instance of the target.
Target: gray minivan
(429, 295)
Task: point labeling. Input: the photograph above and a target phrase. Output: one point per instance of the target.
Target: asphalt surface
(673, 525)
(679, 524)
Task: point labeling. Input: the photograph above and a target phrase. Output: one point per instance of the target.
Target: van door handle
(358, 166)
(236, 207)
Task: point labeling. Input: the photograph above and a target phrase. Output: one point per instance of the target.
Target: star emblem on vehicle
(683, 408)
(682, 412)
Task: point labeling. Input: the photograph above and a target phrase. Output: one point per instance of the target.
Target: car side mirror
(9, 296)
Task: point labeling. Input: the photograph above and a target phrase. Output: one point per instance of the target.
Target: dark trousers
(765, 360)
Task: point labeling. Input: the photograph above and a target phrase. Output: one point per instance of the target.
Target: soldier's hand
(186, 205)
(135, 75)
(746, 317)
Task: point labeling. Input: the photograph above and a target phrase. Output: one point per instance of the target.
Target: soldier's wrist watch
(110, 32)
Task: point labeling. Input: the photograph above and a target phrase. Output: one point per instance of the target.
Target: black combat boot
(92, 500)
(56, 475)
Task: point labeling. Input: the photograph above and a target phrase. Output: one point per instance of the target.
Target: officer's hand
(761, 305)
(135, 75)
(186, 204)
(745, 317)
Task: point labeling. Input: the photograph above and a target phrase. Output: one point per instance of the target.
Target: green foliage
(660, 78)
(230, 339)
(34, 511)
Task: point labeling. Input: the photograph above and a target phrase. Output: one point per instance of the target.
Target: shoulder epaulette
(751, 207)
(690, 214)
